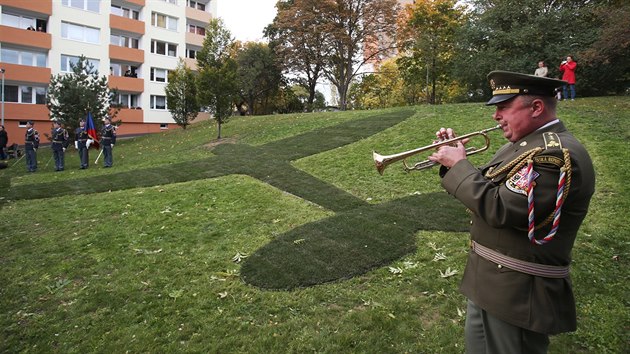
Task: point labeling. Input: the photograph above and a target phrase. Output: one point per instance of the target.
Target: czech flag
(91, 129)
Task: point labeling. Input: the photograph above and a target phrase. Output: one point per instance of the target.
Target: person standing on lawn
(31, 143)
(59, 145)
(527, 204)
(108, 139)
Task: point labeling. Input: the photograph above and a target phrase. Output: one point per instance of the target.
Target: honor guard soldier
(108, 139)
(31, 143)
(82, 144)
(517, 276)
(59, 145)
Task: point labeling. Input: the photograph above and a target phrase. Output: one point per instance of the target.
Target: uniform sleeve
(498, 205)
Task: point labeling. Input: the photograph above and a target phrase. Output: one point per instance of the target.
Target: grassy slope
(150, 268)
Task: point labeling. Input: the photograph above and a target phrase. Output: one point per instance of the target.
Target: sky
(246, 19)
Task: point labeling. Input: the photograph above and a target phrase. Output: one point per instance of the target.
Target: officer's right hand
(112, 146)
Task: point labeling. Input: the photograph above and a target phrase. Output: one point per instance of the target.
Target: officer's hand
(64, 149)
(112, 146)
(76, 145)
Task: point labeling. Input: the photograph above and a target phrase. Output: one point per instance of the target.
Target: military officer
(59, 144)
(82, 143)
(31, 143)
(527, 204)
(108, 139)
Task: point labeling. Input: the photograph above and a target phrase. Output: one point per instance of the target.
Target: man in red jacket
(567, 67)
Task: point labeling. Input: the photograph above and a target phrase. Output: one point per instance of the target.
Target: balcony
(125, 54)
(191, 63)
(198, 15)
(126, 84)
(24, 111)
(130, 115)
(25, 37)
(39, 6)
(136, 2)
(194, 39)
(126, 24)
(24, 73)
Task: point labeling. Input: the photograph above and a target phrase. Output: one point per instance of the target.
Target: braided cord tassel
(563, 181)
(530, 201)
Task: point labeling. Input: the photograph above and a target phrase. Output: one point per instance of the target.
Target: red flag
(91, 129)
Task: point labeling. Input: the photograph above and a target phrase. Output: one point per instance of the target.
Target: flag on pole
(91, 129)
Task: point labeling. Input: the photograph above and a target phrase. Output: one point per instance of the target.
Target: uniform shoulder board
(552, 141)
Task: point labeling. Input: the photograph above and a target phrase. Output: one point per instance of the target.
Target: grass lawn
(282, 237)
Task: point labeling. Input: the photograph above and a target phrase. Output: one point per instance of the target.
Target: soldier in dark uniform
(59, 145)
(526, 204)
(31, 143)
(108, 139)
(82, 144)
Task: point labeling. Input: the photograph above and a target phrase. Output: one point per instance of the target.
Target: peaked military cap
(30, 122)
(507, 85)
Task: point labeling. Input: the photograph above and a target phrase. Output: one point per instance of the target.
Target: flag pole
(98, 157)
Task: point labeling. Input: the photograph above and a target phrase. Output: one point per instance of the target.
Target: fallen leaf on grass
(395, 270)
(223, 295)
(239, 257)
(448, 273)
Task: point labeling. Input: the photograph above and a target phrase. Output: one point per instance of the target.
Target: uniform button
(499, 266)
(470, 222)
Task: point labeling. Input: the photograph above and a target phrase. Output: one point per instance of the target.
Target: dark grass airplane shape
(358, 238)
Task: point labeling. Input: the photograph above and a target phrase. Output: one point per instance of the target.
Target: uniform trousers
(107, 154)
(486, 334)
(31, 159)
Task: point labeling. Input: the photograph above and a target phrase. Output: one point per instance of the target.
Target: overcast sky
(246, 19)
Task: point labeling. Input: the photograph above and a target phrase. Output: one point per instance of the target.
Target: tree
(351, 24)
(71, 95)
(299, 40)
(217, 81)
(181, 95)
(258, 76)
(428, 32)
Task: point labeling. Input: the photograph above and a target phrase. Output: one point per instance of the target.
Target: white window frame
(18, 21)
(197, 5)
(120, 39)
(80, 33)
(170, 22)
(154, 75)
(125, 12)
(168, 47)
(197, 29)
(33, 94)
(22, 57)
(154, 103)
(67, 59)
(85, 5)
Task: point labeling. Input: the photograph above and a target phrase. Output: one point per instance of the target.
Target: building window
(158, 102)
(116, 69)
(22, 57)
(191, 53)
(87, 5)
(80, 33)
(164, 48)
(171, 1)
(18, 21)
(163, 126)
(197, 5)
(125, 12)
(196, 29)
(163, 21)
(124, 41)
(159, 75)
(25, 94)
(67, 61)
(126, 100)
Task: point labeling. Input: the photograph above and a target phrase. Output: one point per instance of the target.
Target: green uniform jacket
(499, 222)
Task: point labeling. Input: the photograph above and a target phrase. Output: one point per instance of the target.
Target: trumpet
(382, 161)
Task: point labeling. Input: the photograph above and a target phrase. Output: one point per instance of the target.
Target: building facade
(133, 42)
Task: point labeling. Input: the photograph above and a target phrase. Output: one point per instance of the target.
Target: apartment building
(133, 42)
(377, 50)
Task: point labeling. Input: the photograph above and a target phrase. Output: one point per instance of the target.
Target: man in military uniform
(59, 145)
(82, 143)
(108, 139)
(31, 143)
(526, 204)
